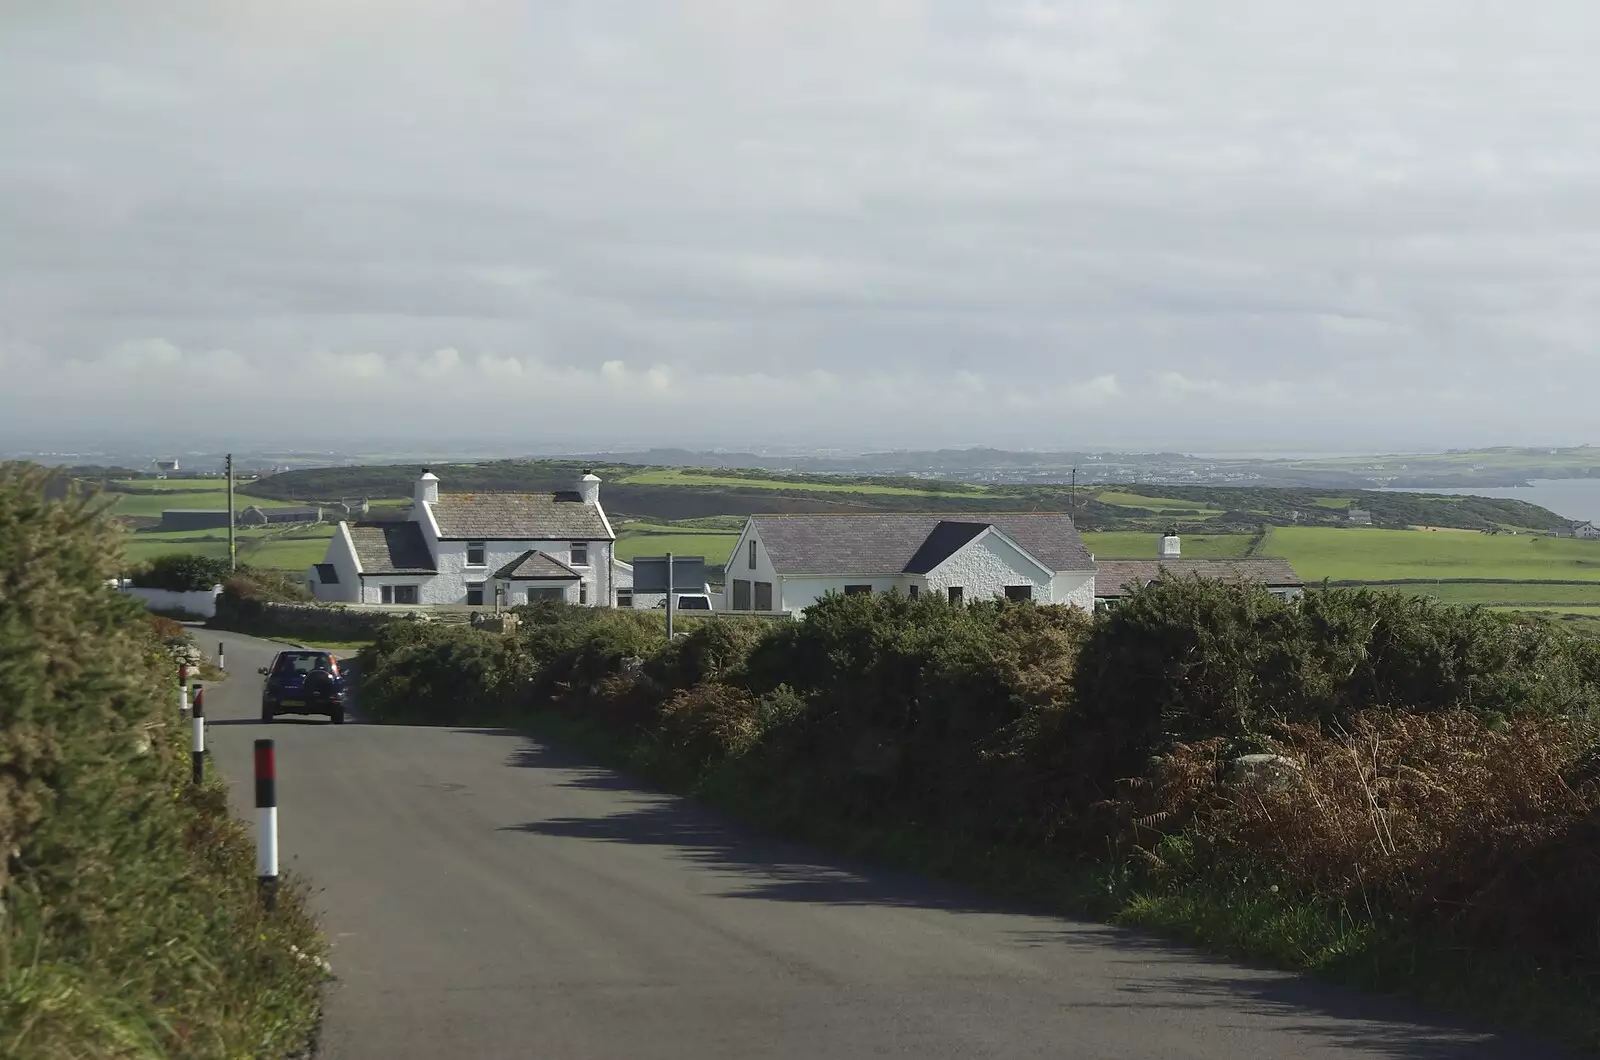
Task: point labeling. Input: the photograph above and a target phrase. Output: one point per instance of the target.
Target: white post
(222, 662)
(198, 747)
(267, 823)
(183, 688)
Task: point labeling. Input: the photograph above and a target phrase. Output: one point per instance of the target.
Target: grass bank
(131, 925)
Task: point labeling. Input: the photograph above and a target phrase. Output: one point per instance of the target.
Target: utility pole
(232, 560)
(1074, 489)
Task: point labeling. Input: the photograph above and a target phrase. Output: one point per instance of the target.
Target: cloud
(1024, 223)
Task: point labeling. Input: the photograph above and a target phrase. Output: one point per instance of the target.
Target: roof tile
(894, 542)
(518, 517)
(391, 548)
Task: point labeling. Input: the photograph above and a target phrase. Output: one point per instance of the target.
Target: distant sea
(1577, 499)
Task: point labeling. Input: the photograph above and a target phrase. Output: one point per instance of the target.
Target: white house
(786, 562)
(474, 549)
(1586, 530)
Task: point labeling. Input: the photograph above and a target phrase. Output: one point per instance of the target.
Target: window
(386, 593)
(624, 597)
(763, 596)
(741, 595)
(477, 554)
(955, 594)
(583, 593)
(405, 594)
(535, 595)
(580, 553)
(858, 590)
(1019, 592)
(752, 555)
(914, 592)
(474, 594)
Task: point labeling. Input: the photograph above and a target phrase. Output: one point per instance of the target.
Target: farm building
(1118, 578)
(194, 519)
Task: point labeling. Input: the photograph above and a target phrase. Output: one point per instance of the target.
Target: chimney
(589, 487)
(1170, 548)
(427, 489)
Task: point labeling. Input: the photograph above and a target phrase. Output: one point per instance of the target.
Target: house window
(537, 594)
(763, 596)
(858, 590)
(752, 555)
(955, 594)
(477, 554)
(405, 594)
(624, 597)
(583, 593)
(914, 592)
(741, 595)
(1019, 592)
(580, 553)
(474, 594)
(386, 593)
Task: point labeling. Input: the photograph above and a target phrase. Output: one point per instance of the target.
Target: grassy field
(288, 549)
(1155, 504)
(691, 477)
(1124, 544)
(1360, 554)
(1528, 594)
(643, 527)
(714, 547)
(151, 505)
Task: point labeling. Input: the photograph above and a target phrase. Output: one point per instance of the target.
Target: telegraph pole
(1074, 489)
(232, 561)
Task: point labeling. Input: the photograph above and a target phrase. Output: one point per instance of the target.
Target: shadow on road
(268, 724)
(777, 870)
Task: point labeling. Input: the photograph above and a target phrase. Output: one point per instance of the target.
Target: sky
(1354, 226)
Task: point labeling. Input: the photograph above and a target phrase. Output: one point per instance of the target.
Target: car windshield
(305, 663)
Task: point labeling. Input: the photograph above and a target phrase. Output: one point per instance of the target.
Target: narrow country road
(489, 897)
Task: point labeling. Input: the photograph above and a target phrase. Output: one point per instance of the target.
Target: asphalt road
(490, 897)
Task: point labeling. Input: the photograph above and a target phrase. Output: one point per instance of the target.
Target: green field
(669, 476)
(1361, 554)
(151, 505)
(1520, 594)
(1155, 504)
(643, 527)
(289, 549)
(1132, 544)
(714, 547)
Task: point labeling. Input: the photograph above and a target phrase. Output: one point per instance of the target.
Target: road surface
(488, 897)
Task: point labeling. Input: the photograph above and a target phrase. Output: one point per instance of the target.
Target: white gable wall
(739, 567)
(342, 554)
(984, 566)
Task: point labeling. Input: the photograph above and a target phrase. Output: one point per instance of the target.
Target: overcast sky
(1361, 224)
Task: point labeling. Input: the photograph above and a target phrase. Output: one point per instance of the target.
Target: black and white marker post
(267, 823)
(183, 688)
(199, 747)
(222, 662)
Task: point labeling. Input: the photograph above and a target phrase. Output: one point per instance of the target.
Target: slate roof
(890, 542)
(518, 517)
(535, 565)
(1118, 577)
(391, 548)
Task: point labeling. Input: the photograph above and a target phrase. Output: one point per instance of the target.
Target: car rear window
(304, 664)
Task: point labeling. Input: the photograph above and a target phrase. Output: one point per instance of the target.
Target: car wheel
(338, 716)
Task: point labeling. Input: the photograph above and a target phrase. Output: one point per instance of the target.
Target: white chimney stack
(589, 488)
(1170, 548)
(427, 489)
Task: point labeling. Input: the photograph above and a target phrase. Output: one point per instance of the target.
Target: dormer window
(580, 554)
(477, 553)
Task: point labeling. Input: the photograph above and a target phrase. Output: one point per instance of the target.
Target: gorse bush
(130, 924)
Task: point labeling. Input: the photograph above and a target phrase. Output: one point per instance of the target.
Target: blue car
(303, 682)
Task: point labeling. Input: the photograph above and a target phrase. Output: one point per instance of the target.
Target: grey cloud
(1264, 220)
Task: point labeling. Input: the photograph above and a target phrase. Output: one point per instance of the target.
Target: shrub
(120, 881)
(181, 572)
(1488, 833)
(424, 673)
